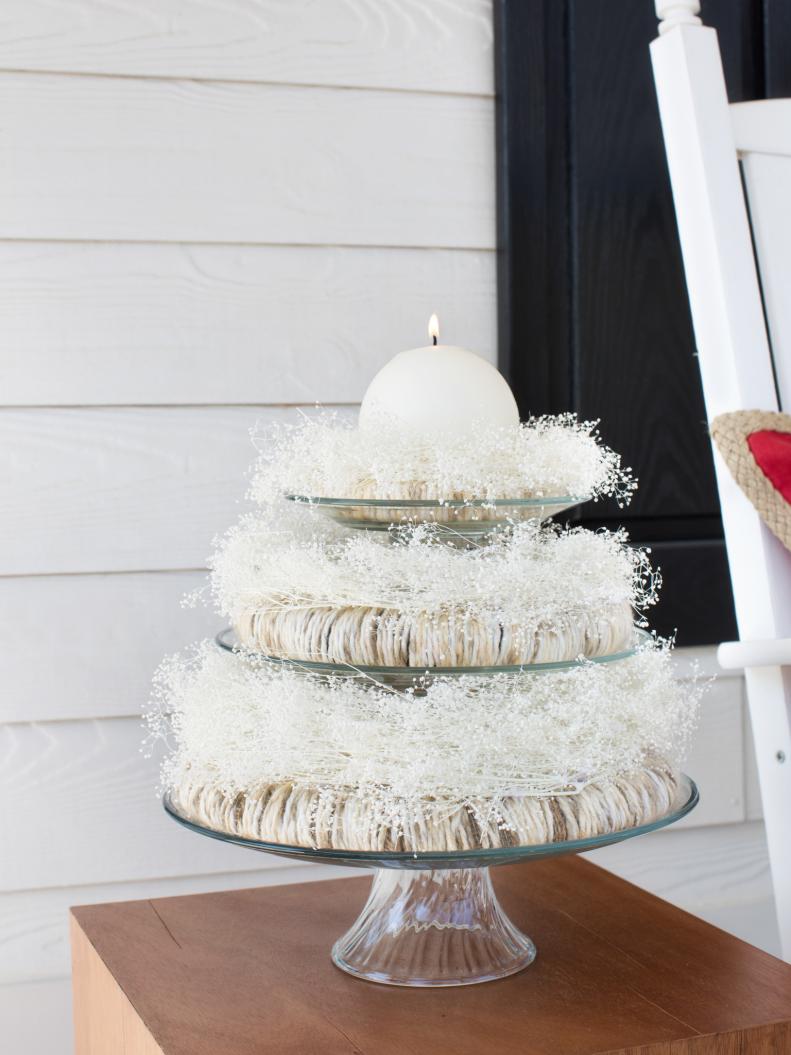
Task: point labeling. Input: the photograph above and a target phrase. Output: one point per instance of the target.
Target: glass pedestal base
(432, 928)
(432, 918)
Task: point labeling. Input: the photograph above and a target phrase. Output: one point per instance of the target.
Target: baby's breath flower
(323, 456)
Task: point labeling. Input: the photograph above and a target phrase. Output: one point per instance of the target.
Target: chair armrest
(773, 652)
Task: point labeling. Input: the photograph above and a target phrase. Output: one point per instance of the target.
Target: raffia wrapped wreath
(268, 754)
(533, 595)
(293, 815)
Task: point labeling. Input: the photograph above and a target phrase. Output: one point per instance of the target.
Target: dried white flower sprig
(236, 725)
(323, 456)
(525, 574)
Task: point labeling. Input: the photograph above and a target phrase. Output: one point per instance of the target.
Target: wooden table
(248, 972)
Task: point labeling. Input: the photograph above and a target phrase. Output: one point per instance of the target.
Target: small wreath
(756, 446)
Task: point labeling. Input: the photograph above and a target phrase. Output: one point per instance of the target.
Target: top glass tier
(463, 519)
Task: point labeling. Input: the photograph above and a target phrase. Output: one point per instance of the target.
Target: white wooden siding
(99, 638)
(211, 211)
(100, 818)
(120, 489)
(719, 774)
(36, 1017)
(86, 323)
(429, 45)
(131, 159)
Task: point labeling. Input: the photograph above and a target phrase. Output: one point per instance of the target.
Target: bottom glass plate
(686, 800)
(433, 919)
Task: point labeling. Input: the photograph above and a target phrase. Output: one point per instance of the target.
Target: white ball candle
(438, 388)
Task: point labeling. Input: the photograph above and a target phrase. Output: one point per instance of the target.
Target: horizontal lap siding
(100, 820)
(36, 1017)
(432, 45)
(126, 159)
(122, 489)
(85, 646)
(196, 324)
(719, 774)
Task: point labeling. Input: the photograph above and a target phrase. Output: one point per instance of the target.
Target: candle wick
(434, 340)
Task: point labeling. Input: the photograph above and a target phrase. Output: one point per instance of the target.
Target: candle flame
(433, 329)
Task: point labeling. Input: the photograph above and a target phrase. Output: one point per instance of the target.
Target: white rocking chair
(711, 148)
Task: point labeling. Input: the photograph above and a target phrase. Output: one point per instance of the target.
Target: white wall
(211, 212)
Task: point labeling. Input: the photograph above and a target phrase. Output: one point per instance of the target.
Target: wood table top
(248, 972)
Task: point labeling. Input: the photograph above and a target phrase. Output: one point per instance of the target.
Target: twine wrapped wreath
(345, 819)
(736, 434)
(272, 755)
(389, 638)
(532, 595)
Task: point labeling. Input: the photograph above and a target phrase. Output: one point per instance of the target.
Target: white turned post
(677, 13)
(736, 368)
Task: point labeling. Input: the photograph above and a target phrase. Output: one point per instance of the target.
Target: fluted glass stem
(432, 928)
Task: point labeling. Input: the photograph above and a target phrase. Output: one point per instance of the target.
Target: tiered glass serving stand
(432, 919)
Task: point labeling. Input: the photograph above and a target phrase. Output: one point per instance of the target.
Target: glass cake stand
(433, 919)
(464, 520)
(415, 677)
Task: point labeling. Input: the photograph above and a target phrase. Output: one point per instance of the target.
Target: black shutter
(593, 310)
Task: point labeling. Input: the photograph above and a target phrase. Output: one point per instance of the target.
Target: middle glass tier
(409, 677)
